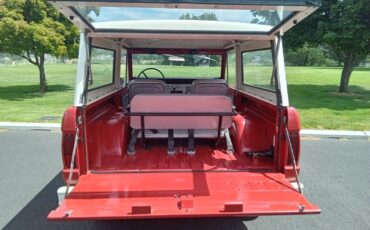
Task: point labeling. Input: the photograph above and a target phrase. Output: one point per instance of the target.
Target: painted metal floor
(155, 158)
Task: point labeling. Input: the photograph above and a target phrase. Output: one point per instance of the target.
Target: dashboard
(179, 88)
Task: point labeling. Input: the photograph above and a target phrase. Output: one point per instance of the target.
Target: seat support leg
(143, 131)
(171, 143)
(218, 131)
(191, 145)
(229, 144)
(131, 145)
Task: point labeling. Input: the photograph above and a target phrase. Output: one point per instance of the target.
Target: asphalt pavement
(335, 172)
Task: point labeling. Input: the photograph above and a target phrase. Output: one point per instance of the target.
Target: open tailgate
(181, 194)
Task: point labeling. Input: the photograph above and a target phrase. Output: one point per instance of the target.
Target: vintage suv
(181, 110)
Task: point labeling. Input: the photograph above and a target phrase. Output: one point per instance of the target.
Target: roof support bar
(82, 70)
(279, 69)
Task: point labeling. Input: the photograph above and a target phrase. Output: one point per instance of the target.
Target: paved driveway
(336, 174)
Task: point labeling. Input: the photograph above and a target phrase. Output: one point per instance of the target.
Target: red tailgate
(181, 194)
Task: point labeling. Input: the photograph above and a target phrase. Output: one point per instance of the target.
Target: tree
(87, 10)
(206, 16)
(306, 56)
(265, 17)
(33, 28)
(346, 32)
(342, 27)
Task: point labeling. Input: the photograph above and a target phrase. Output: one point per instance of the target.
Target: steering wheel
(151, 68)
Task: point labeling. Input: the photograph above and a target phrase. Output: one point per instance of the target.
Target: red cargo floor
(206, 158)
(181, 194)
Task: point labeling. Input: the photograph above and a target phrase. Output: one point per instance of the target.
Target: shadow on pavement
(33, 216)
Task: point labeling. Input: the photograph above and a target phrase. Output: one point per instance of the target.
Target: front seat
(145, 86)
(210, 87)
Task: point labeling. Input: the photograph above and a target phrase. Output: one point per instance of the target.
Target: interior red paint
(255, 126)
(212, 183)
(115, 196)
(107, 132)
(294, 126)
(68, 129)
(155, 159)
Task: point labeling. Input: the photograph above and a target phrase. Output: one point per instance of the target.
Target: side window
(231, 69)
(102, 67)
(257, 69)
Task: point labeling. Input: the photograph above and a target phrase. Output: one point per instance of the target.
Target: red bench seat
(184, 103)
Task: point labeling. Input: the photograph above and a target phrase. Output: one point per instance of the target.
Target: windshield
(190, 66)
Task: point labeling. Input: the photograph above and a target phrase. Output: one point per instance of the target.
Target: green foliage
(341, 26)
(265, 17)
(215, 60)
(86, 12)
(207, 16)
(346, 29)
(306, 56)
(33, 28)
(189, 60)
(165, 60)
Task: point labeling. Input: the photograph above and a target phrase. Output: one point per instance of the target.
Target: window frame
(125, 77)
(175, 51)
(113, 69)
(227, 67)
(242, 69)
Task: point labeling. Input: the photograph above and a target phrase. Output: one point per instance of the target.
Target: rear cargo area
(152, 184)
(108, 134)
(154, 158)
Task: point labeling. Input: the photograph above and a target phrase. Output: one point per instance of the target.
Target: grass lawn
(312, 90)
(20, 99)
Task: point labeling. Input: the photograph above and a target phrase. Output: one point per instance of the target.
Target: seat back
(210, 87)
(188, 103)
(145, 86)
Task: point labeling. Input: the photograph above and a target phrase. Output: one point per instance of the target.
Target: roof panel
(216, 2)
(168, 16)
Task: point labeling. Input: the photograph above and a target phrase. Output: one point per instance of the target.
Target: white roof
(182, 25)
